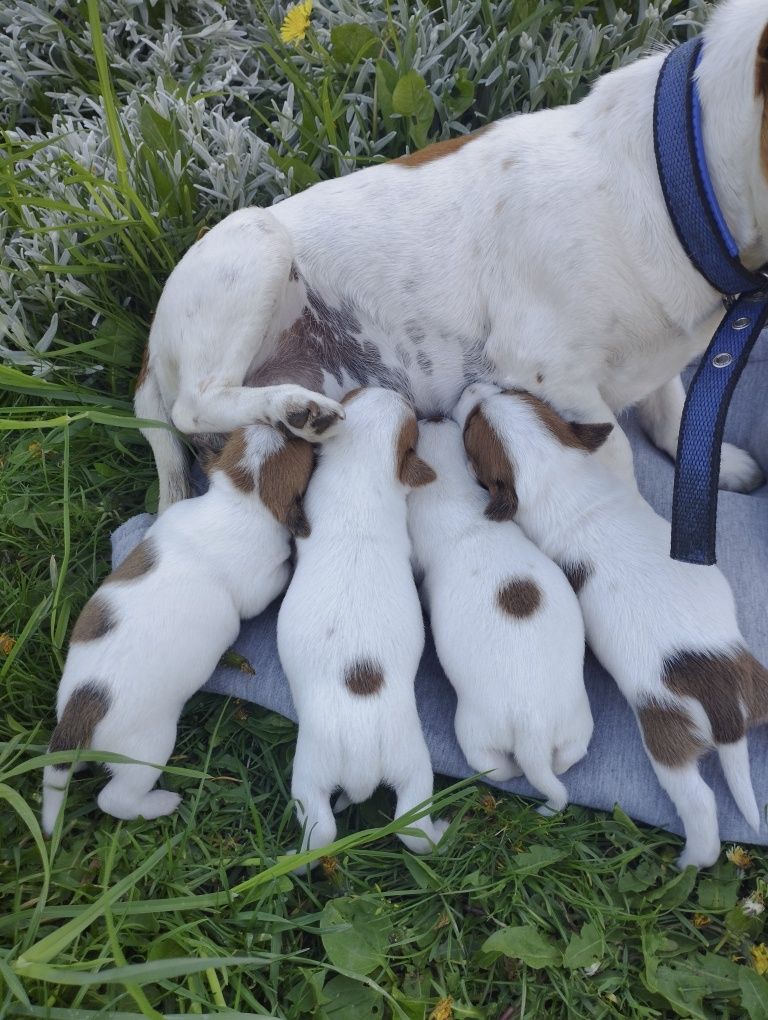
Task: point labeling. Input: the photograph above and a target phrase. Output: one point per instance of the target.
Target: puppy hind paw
(698, 856)
(739, 471)
(159, 803)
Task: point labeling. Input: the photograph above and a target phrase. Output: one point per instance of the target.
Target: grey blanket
(616, 770)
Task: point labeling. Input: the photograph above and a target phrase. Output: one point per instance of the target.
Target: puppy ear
(414, 471)
(283, 480)
(491, 465)
(591, 435)
(411, 469)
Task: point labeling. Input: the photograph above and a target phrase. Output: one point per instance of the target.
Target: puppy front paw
(739, 471)
(311, 416)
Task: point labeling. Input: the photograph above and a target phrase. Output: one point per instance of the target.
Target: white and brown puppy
(153, 632)
(506, 624)
(350, 631)
(538, 252)
(665, 630)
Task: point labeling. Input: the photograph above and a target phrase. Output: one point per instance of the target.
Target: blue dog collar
(702, 231)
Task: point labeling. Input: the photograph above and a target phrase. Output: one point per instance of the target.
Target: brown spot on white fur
(519, 597)
(87, 706)
(231, 461)
(350, 396)
(718, 682)
(137, 563)
(577, 573)
(95, 620)
(411, 469)
(669, 734)
(491, 465)
(283, 480)
(588, 436)
(761, 89)
(440, 149)
(364, 678)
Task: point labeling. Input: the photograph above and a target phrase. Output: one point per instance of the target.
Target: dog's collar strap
(702, 231)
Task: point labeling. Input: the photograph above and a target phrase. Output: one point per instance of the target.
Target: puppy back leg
(695, 804)
(171, 458)
(534, 755)
(313, 800)
(415, 787)
(129, 792)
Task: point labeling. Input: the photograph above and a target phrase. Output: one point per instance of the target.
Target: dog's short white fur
(506, 624)
(154, 631)
(665, 630)
(350, 631)
(538, 254)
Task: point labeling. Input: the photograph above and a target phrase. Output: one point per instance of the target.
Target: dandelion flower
(760, 958)
(700, 920)
(296, 22)
(443, 1010)
(753, 905)
(738, 855)
(6, 643)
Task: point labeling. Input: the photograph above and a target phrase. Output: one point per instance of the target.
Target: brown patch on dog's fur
(95, 620)
(588, 436)
(519, 597)
(578, 574)
(411, 469)
(761, 89)
(349, 397)
(283, 480)
(364, 678)
(137, 563)
(143, 369)
(491, 465)
(757, 697)
(87, 706)
(440, 149)
(718, 682)
(231, 462)
(669, 734)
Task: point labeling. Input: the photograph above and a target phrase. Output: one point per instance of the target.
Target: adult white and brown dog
(666, 631)
(537, 252)
(350, 631)
(153, 632)
(507, 626)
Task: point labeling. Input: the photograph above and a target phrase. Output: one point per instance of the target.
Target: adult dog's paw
(739, 471)
(311, 415)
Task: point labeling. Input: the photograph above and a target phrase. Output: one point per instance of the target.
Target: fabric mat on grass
(616, 770)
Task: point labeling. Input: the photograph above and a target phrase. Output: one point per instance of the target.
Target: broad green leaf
(585, 947)
(461, 96)
(537, 857)
(524, 943)
(356, 933)
(412, 98)
(352, 41)
(421, 873)
(676, 891)
(720, 889)
(386, 80)
(754, 993)
(350, 1000)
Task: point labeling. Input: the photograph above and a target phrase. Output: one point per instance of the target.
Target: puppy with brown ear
(350, 631)
(154, 631)
(665, 630)
(507, 626)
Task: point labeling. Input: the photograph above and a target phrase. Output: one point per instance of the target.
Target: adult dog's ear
(591, 435)
(411, 469)
(491, 465)
(283, 480)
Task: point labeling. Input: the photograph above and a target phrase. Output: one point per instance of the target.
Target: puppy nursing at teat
(152, 634)
(507, 627)
(350, 631)
(665, 630)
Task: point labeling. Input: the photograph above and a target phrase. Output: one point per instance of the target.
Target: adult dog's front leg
(660, 415)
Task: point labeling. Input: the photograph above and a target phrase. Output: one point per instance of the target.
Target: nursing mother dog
(537, 252)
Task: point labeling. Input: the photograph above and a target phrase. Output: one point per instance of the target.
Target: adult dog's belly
(335, 344)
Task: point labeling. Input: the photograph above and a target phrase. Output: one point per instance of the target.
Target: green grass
(583, 915)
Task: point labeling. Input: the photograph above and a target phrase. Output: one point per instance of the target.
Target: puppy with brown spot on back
(155, 630)
(666, 631)
(350, 631)
(506, 624)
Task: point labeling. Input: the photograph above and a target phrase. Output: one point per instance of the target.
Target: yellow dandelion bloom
(760, 958)
(488, 804)
(443, 1010)
(738, 855)
(330, 866)
(700, 920)
(6, 643)
(296, 22)
(36, 450)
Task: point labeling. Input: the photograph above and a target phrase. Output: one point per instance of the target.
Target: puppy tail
(54, 787)
(734, 759)
(171, 459)
(536, 763)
